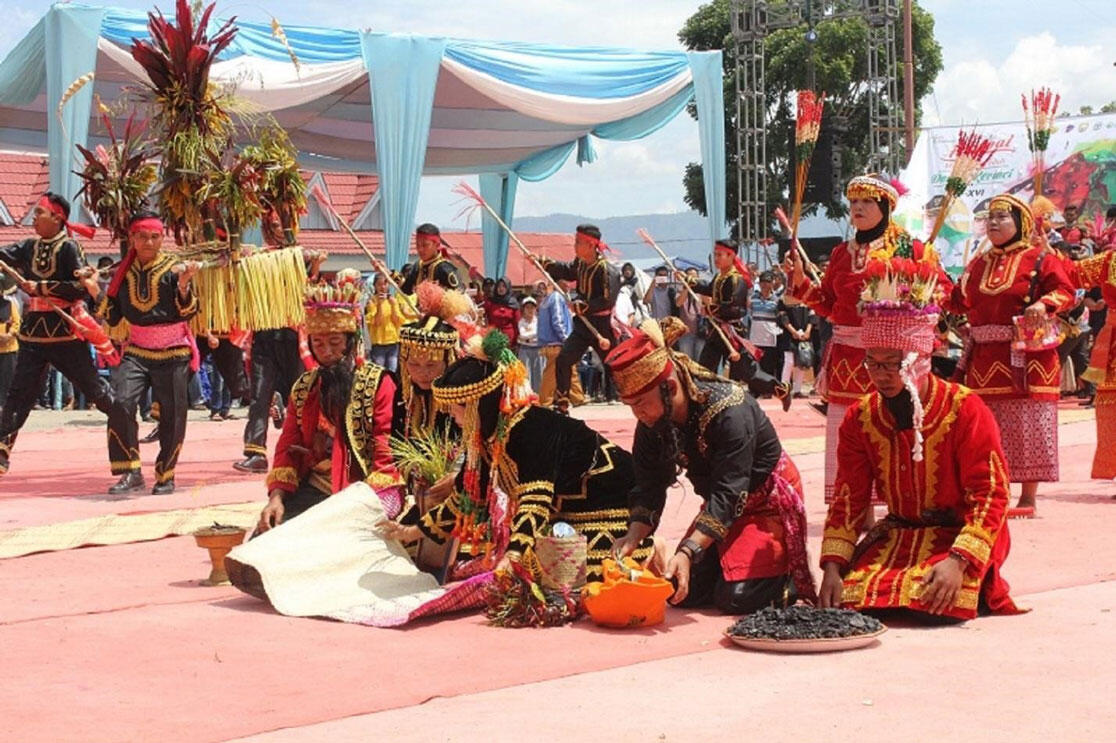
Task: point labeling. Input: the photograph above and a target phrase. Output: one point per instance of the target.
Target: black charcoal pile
(804, 623)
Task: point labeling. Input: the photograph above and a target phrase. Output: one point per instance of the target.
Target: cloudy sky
(993, 50)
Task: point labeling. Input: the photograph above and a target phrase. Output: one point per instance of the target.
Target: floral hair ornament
(899, 310)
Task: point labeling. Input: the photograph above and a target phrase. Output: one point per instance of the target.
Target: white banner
(1080, 170)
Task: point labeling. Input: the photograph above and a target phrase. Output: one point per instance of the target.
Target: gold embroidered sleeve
(282, 478)
(711, 526)
(437, 524)
(1094, 271)
(532, 513)
(187, 306)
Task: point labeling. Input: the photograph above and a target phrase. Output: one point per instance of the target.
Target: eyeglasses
(881, 366)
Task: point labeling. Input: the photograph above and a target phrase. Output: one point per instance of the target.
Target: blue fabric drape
(499, 191)
(402, 72)
(23, 71)
(311, 44)
(709, 94)
(650, 121)
(583, 72)
(71, 35)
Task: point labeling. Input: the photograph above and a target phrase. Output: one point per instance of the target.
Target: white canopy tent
(399, 106)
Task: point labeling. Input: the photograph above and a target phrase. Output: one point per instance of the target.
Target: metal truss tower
(750, 22)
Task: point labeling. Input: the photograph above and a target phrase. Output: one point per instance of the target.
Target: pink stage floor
(121, 643)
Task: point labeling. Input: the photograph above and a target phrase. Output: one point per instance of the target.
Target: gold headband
(330, 320)
(444, 395)
(1015, 204)
(871, 187)
(637, 376)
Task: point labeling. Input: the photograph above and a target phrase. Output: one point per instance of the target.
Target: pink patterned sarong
(163, 336)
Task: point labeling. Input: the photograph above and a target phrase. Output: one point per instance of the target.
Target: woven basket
(562, 561)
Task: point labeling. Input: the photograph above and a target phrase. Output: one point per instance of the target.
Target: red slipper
(1027, 512)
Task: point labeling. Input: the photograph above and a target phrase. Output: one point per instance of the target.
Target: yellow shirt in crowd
(8, 330)
(383, 317)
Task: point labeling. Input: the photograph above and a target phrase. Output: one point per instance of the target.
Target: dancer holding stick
(45, 266)
(734, 355)
(729, 291)
(598, 283)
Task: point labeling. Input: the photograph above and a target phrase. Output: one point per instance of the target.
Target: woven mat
(120, 529)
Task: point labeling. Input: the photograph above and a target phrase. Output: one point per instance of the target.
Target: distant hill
(682, 233)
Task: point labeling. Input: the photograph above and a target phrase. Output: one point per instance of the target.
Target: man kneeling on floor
(753, 510)
(931, 449)
(339, 417)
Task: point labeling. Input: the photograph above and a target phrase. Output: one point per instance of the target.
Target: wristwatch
(692, 549)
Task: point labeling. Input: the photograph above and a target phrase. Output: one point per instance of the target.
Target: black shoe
(129, 482)
(227, 416)
(163, 488)
(4, 463)
(153, 436)
(254, 463)
(277, 412)
(821, 407)
(783, 392)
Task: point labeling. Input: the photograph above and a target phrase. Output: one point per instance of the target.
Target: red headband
(442, 244)
(84, 230)
(597, 243)
(151, 224)
(740, 267)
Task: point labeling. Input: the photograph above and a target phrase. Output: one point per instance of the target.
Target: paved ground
(121, 643)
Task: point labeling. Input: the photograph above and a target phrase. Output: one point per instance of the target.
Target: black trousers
(168, 379)
(228, 359)
(276, 365)
(7, 372)
(746, 370)
(578, 342)
(708, 587)
(772, 361)
(74, 360)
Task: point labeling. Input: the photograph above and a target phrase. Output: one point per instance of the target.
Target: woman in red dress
(1015, 278)
(871, 203)
(502, 311)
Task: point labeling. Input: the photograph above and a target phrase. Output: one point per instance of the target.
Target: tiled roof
(24, 177)
(467, 245)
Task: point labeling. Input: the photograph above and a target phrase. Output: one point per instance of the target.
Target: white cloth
(330, 562)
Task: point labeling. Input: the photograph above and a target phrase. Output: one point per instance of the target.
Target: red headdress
(82, 229)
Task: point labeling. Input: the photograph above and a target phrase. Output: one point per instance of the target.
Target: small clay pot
(219, 540)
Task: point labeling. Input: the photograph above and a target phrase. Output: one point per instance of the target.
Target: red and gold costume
(955, 499)
(357, 452)
(1100, 271)
(1022, 388)
(836, 299)
(317, 456)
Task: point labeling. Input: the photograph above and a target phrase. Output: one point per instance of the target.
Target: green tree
(840, 68)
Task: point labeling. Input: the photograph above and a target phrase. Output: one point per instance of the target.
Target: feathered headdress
(899, 306)
(334, 308)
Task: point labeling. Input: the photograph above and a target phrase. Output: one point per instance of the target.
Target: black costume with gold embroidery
(729, 292)
(438, 269)
(149, 297)
(728, 447)
(598, 285)
(555, 468)
(729, 450)
(47, 339)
